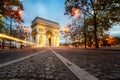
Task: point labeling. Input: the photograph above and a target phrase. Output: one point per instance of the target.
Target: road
(101, 63)
(33, 64)
(8, 55)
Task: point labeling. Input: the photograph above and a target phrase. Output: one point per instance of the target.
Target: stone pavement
(103, 64)
(44, 66)
(16, 53)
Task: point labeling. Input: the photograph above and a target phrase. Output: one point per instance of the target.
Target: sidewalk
(112, 48)
(43, 66)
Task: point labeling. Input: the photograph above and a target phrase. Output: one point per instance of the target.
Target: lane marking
(23, 58)
(79, 73)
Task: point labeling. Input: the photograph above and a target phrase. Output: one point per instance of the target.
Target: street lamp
(19, 12)
(13, 14)
(77, 11)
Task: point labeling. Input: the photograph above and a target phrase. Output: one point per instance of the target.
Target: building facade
(45, 33)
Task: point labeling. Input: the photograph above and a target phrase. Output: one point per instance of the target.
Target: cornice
(45, 22)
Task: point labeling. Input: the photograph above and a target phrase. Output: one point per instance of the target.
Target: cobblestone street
(103, 64)
(44, 66)
(16, 54)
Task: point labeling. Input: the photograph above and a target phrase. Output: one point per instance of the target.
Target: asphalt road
(102, 63)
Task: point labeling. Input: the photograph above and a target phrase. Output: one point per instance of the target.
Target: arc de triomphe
(45, 32)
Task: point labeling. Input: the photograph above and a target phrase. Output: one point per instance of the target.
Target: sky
(52, 10)
(115, 30)
(49, 9)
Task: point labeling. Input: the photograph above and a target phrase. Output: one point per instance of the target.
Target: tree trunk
(10, 31)
(3, 43)
(95, 31)
(85, 31)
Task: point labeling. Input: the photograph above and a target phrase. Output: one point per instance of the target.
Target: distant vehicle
(22, 46)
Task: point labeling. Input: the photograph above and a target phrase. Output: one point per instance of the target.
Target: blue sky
(48, 9)
(51, 10)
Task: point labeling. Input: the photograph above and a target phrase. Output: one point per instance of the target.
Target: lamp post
(77, 11)
(13, 14)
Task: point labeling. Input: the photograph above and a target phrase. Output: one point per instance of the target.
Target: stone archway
(49, 37)
(44, 32)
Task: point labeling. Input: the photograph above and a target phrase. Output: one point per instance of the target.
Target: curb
(79, 73)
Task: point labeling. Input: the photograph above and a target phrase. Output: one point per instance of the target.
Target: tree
(1, 31)
(66, 32)
(104, 13)
(8, 6)
(11, 9)
(117, 40)
(1, 24)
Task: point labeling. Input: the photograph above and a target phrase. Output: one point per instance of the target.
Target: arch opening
(49, 37)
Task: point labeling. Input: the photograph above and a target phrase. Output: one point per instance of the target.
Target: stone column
(37, 39)
(56, 41)
(46, 41)
(53, 41)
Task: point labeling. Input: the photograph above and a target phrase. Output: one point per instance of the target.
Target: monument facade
(45, 33)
